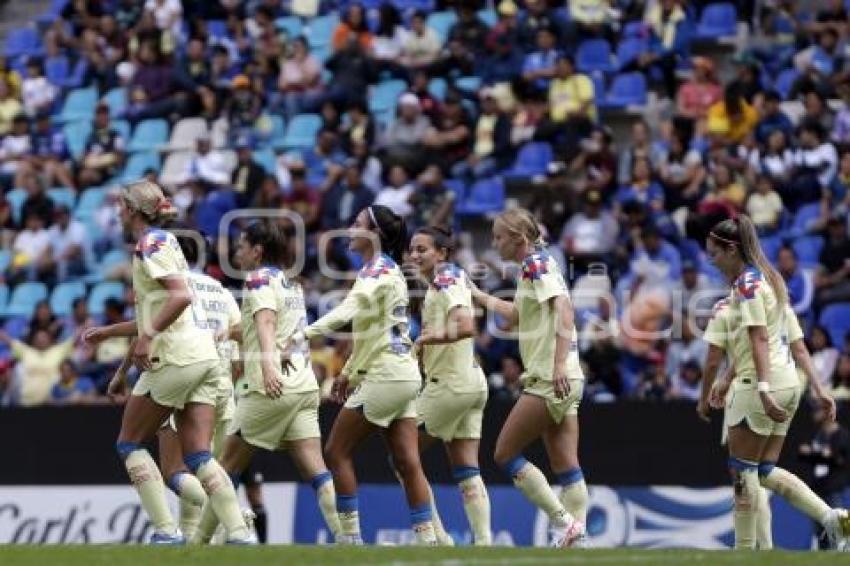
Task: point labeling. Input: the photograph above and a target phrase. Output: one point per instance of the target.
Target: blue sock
(320, 479)
(570, 477)
(512, 467)
(346, 503)
(124, 449)
(174, 481)
(461, 473)
(420, 514)
(196, 460)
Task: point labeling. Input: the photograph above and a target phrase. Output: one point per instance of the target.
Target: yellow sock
(206, 527)
(746, 492)
(222, 496)
(476, 504)
(797, 493)
(326, 495)
(443, 538)
(764, 534)
(533, 484)
(145, 476)
(574, 496)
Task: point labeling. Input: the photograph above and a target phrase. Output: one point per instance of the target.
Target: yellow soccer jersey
(268, 288)
(220, 308)
(453, 364)
(539, 281)
(376, 306)
(752, 302)
(187, 341)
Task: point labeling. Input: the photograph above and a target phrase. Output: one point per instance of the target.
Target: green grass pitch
(395, 556)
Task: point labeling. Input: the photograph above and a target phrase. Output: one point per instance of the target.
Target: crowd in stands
(446, 112)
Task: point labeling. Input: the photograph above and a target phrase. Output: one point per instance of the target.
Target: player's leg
(253, 482)
(526, 422)
(402, 440)
(195, 424)
(745, 451)
(181, 481)
(349, 429)
(463, 457)
(142, 418)
(561, 443)
(764, 516)
(307, 455)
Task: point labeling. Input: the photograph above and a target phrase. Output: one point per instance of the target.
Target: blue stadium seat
(122, 127)
(217, 29)
(771, 246)
(63, 296)
(116, 99)
(4, 298)
(629, 49)
(138, 164)
(149, 135)
(802, 221)
(103, 291)
(489, 17)
(290, 24)
(438, 87)
(635, 29)
(469, 84)
(808, 250)
(53, 12)
(76, 136)
(79, 105)
(5, 260)
(627, 89)
(599, 90)
(442, 23)
(320, 30)
(276, 132)
(102, 269)
(485, 196)
(532, 159)
(785, 81)
(301, 131)
(17, 326)
(63, 195)
(89, 201)
(718, 20)
(23, 41)
(836, 320)
(457, 187)
(321, 52)
(266, 159)
(385, 95)
(78, 74)
(57, 69)
(24, 298)
(594, 55)
(16, 198)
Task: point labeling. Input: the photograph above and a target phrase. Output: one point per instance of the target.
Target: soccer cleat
(349, 540)
(249, 540)
(248, 515)
(837, 529)
(570, 536)
(445, 539)
(165, 539)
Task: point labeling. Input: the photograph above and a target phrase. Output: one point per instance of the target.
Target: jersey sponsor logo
(151, 243)
(748, 283)
(446, 277)
(535, 266)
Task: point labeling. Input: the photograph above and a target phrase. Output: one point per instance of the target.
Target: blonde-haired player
(451, 405)
(553, 381)
(766, 391)
(278, 405)
(179, 361)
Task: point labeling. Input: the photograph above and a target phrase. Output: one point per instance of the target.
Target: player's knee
(405, 464)
(124, 449)
(502, 456)
(333, 456)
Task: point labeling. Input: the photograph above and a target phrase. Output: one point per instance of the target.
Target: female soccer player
(382, 368)
(179, 364)
(278, 405)
(766, 390)
(553, 382)
(451, 406)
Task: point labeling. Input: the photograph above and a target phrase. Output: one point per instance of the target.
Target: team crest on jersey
(260, 278)
(378, 266)
(447, 276)
(748, 283)
(535, 266)
(719, 306)
(151, 243)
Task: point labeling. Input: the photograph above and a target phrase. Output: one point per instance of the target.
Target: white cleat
(570, 536)
(248, 516)
(349, 540)
(837, 530)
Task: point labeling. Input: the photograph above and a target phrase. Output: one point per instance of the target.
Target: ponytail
(147, 199)
(521, 224)
(391, 229)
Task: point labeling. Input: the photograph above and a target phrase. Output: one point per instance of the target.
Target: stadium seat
(210, 210)
(718, 20)
(321, 52)
(784, 81)
(138, 164)
(629, 49)
(291, 25)
(442, 22)
(103, 269)
(53, 12)
(599, 91)
(122, 127)
(489, 17)
(63, 195)
(438, 87)
(320, 30)
(149, 135)
(25, 297)
(16, 198)
(627, 89)
(276, 133)
(23, 41)
(17, 326)
(116, 99)
(532, 159)
(77, 76)
(5, 260)
(457, 187)
(174, 167)
(301, 131)
(266, 159)
(485, 196)
(385, 95)
(808, 250)
(217, 29)
(803, 220)
(771, 246)
(76, 136)
(635, 30)
(103, 291)
(79, 105)
(594, 55)
(57, 69)
(89, 201)
(835, 319)
(63, 296)
(186, 132)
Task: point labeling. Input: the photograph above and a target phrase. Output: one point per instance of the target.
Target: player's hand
(339, 391)
(424, 338)
(717, 395)
(561, 384)
(774, 411)
(272, 384)
(703, 408)
(95, 335)
(117, 388)
(827, 404)
(142, 352)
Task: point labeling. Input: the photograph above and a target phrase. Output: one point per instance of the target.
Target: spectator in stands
(599, 350)
(819, 62)
(373, 171)
(324, 156)
(491, 149)
(775, 161)
(724, 186)
(243, 107)
(104, 153)
(208, 169)
(530, 112)
(353, 72)
(732, 118)
(590, 235)
(9, 384)
(816, 109)
(353, 25)
(641, 188)
(682, 173)
(127, 13)
(72, 388)
(800, 288)
(572, 107)
(682, 351)
(747, 79)
(107, 220)
(507, 384)
(396, 195)
(469, 29)
(157, 89)
(773, 119)
(69, 245)
(455, 61)
(448, 140)
(432, 202)
(11, 77)
(642, 145)
(345, 199)
(38, 363)
(815, 165)
(824, 355)
(504, 56)
(841, 378)
(405, 136)
(388, 41)
(10, 106)
(248, 174)
(421, 46)
(698, 293)
(299, 83)
(764, 206)
(15, 149)
(43, 318)
(31, 258)
(539, 66)
(596, 159)
(195, 64)
(592, 18)
(48, 153)
(538, 15)
(655, 259)
(359, 126)
(37, 92)
(303, 198)
(168, 15)
(832, 279)
(654, 385)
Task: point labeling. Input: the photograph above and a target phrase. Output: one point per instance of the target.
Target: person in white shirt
(421, 44)
(31, 250)
(68, 244)
(816, 162)
(15, 146)
(37, 92)
(209, 166)
(396, 195)
(168, 15)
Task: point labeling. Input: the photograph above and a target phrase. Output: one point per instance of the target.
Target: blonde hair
(520, 224)
(147, 198)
